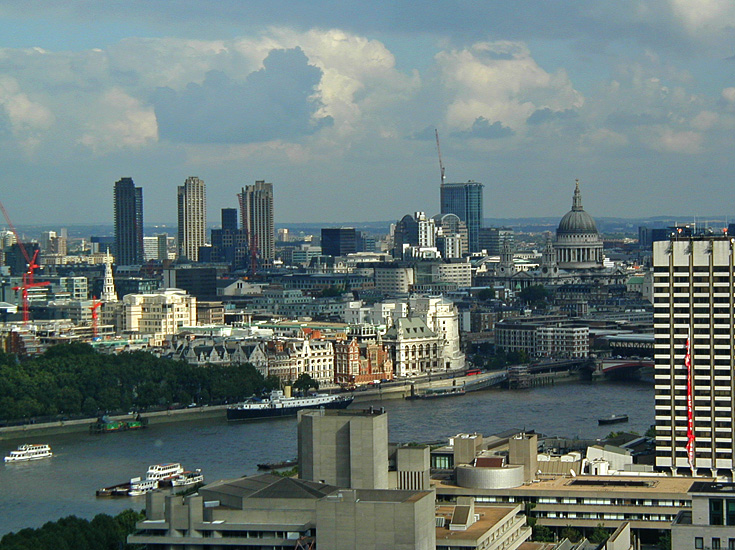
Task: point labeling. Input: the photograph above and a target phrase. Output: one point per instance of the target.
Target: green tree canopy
(304, 382)
(72, 533)
(486, 294)
(534, 295)
(73, 379)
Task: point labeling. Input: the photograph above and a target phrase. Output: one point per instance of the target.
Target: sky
(337, 102)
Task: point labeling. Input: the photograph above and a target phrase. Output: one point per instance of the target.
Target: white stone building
(442, 317)
(158, 315)
(415, 348)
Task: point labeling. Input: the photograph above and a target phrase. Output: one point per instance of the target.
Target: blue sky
(336, 103)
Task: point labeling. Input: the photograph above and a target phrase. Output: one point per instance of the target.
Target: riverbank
(377, 393)
(27, 431)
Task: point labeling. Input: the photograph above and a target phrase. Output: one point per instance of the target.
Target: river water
(35, 492)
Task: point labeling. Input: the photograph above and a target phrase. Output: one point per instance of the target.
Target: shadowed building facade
(128, 210)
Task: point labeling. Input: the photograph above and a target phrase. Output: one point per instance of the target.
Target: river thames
(46, 490)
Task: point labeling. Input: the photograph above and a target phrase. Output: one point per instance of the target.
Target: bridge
(482, 381)
(623, 367)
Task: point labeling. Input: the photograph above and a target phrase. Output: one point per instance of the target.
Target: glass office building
(465, 200)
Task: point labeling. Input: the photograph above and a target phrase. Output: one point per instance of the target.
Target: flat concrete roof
(591, 484)
(489, 517)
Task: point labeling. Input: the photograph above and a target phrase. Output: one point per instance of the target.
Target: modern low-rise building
(160, 314)
(710, 524)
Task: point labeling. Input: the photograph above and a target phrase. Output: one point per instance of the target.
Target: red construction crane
(27, 280)
(95, 315)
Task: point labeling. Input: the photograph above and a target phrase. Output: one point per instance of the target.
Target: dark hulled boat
(278, 405)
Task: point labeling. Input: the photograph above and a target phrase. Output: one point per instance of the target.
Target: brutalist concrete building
(268, 511)
(346, 448)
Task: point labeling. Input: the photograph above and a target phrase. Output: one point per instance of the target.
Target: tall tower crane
(27, 279)
(439, 150)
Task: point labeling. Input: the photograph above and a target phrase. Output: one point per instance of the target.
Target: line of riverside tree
(73, 380)
(72, 533)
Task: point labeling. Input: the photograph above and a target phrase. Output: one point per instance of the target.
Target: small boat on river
(278, 465)
(435, 393)
(613, 419)
(29, 452)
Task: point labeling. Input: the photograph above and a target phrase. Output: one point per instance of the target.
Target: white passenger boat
(188, 478)
(142, 486)
(29, 452)
(161, 472)
(280, 405)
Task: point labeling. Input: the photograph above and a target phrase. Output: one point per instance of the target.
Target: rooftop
(594, 484)
(489, 517)
(712, 487)
(270, 486)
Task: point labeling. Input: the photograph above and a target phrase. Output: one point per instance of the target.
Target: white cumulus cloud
(501, 82)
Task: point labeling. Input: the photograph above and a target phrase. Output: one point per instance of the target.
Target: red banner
(690, 412)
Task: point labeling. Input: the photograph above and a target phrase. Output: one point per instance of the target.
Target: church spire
(108, 290)
(577, 200)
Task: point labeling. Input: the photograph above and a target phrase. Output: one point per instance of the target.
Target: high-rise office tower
(192, 199)
(128, 222)
(694, 326)
(465, 200)
(229, 219)
(256, 214)
(339, 241)
(229, 244)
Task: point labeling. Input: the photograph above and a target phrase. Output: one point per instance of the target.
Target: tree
(304, 382)
(599, 535)
(72, 533)
(486, 294)
(331, 292)
(541, 533)
(664, 541)
(534, 295)
(571, 533)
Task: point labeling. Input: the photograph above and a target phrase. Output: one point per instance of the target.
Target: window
(730, 544)
(730, 516)
(716, 515)
(698, 543)
(715, 543)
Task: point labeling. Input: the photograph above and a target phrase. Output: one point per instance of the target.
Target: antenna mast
(439, 150)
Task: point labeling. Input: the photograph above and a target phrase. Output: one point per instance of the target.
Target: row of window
(714, 544)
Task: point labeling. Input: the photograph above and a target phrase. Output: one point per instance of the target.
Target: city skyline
(635, 100)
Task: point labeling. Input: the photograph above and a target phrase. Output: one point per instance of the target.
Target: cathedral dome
(578, 244)
(577, 221)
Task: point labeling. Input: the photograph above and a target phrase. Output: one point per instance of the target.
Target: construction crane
(27, 279)
(439, 150)
(95, 315)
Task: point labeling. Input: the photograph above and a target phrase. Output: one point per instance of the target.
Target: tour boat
(160, 472)
(142, 486)
(185, 479)
(280, 405)
(29, 452)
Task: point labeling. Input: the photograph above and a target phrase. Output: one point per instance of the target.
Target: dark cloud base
(274, 102)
